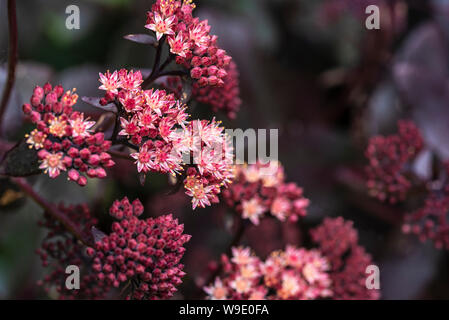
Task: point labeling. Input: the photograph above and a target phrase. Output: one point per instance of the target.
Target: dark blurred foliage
(309, 68)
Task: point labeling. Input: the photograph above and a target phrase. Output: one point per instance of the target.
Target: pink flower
(252, 210)
(132, 100)
(81, 127)
(52, 164)
(36, 139)
(161, 26)
(130, 80)
(143, 159)
(110, 82)
(216, 291)
(200, 195)
(178, 46)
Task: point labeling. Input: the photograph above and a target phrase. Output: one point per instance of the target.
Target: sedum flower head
(157, 124)
(190, 41)
(292, 274)
(260, 190)
(64, 138)
(141, 255)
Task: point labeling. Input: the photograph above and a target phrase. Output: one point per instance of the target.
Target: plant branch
(155, 69)
(52, 210)
(12, 57)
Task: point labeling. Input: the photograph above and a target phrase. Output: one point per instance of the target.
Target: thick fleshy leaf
(420, 73)
(95, 102)
(141, 38)
(20, 161)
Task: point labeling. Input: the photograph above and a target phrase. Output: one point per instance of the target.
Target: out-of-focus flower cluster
(391, 176)
(63, 138)
(156, 124)
(388, 158)
(61, 249)
(291, 274)
(338, 242)
(143, 254)
(190, 40)
(225, 98)
(332, 10)
(259, 189)
(431, 221)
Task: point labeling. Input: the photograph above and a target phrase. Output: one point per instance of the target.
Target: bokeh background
(309, 68)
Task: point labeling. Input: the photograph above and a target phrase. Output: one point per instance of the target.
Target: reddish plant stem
(12, 58)
(155, 70)
(52, 210)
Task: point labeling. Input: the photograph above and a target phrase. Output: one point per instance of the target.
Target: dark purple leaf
(20, 161)
(141, 38)
(95, 102)
(97, 234)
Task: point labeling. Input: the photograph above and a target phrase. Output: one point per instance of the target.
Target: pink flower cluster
(61, 249)
(260, 189)
(225, 98)
(190, 40)
(156, 124)
(388, 157)
(64, 138)
(338, 242)
(285, 275)
(145, 254)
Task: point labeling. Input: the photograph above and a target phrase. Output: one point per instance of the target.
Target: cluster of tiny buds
(293, 274)
(225, 98)
(259, 189)
(142, 255)
(64, 139)
(388, 159)
(338, 242)
(190, 40)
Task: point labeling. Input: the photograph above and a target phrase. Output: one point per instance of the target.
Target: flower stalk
(12, 58)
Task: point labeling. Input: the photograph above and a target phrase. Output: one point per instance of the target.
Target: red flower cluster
(63, 138)
(145, 254)
(61, 249)
(156, 123)
(292, 274)
(259, 189)
(388, 157)
(190, 40)
(225, 98)
(338, 242)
